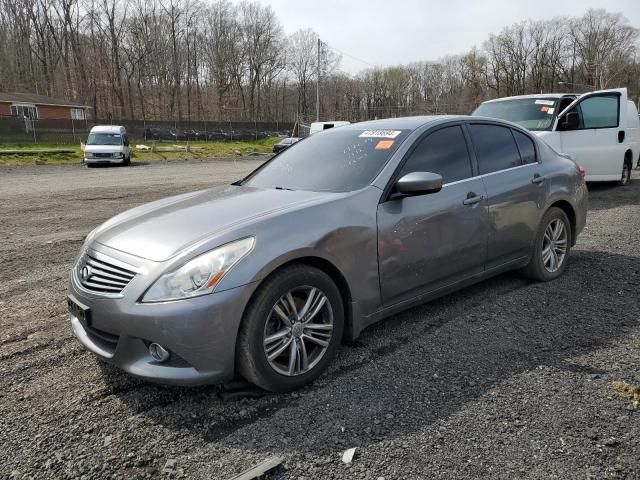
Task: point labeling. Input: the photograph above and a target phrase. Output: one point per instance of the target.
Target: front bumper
(95, 161)
(199, 332)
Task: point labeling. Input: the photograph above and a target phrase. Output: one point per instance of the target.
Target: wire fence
(14, 130)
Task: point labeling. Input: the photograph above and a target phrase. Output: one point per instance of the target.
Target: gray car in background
(266, 277)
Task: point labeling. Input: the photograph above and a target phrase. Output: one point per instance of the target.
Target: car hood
(160, 230)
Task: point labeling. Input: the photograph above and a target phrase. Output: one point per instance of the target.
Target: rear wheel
(625, 178)
(551, 248)
(291, 330)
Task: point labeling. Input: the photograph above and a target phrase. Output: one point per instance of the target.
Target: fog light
(158, 352)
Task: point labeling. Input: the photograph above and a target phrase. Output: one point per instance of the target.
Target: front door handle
(472, 198)
(538, 178)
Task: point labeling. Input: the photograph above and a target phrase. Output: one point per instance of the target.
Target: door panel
(515, 189)
(430, 241)
(595, 144)
(514, 212)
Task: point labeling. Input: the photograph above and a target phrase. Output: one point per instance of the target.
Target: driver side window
(443, 152)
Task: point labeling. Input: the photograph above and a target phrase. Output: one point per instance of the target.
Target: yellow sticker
(384, 144)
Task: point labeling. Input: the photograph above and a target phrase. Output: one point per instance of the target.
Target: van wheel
(127, 161)
(626, 174)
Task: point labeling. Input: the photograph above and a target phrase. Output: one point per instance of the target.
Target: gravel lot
(507, 379)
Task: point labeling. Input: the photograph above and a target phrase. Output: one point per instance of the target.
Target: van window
(104, 139)
(443, 152)
(495, 148)
(600, 111)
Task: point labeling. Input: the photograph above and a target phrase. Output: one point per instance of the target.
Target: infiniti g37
(266, 277)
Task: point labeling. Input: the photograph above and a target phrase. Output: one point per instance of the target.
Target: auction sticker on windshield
(380, 133)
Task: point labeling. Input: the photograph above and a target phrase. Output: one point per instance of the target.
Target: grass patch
(214, 149)
(628, 391)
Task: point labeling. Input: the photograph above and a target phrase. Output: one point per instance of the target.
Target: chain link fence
(68, 131)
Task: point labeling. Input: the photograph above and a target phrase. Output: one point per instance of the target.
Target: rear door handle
(538, 178)
(621, 136)
(472, 198)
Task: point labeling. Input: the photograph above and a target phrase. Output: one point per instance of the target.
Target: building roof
(38, 100)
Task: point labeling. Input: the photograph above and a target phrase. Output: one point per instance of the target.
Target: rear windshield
(336, 160)
(530, 113)
(104, 139)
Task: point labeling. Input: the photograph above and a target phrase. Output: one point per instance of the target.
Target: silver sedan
(266, 277)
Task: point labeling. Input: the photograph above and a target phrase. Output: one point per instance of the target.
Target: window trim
(71, 110)
(535, 147)
(386, 195)
(23, 104)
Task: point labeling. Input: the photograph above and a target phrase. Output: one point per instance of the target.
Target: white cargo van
(600, 130)
(320, 126)
(107, 144)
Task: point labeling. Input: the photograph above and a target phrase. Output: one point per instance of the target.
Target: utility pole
(318, 85)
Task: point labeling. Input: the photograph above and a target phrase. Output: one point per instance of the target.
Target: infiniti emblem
(86, 272)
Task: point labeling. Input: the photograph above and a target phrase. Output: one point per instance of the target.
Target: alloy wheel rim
(554, 245)
(298, 331)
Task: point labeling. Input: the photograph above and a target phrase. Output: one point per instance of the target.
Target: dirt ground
(506, 379)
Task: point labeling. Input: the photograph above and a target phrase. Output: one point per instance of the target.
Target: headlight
(118, 155)
(200, 275)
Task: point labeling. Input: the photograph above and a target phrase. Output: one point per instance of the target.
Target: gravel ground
(506, 379)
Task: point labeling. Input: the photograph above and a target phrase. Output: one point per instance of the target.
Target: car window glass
(443, 152)
(495, 148)
(336, 160)
(526, 147)
(600, 112)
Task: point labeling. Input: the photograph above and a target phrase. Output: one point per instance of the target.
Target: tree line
(190, 60)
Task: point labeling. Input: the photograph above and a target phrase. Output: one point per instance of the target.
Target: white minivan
(599, 130)
(107, 144)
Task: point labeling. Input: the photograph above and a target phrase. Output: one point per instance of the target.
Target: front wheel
(291, 330)
(551, 248)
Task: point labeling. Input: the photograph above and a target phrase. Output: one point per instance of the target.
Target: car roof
(107, 129)
(403, 123)
(537, 95)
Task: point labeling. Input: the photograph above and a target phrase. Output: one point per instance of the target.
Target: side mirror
(419, 183)
(570, 121)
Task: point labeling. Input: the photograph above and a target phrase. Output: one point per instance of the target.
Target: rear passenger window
(443, 152)
(495, 147)
(526, 147)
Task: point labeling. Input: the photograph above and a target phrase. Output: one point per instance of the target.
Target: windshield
(336, 160)
(530, 113)
(104, 139)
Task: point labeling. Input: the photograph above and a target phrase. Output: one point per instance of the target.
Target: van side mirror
(570, 121)
(419, 183)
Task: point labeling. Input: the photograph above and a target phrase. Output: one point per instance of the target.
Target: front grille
(102, 276)
(102, 155)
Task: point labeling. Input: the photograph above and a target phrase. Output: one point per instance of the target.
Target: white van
(107, 144)
(320, 126)
(599, 130)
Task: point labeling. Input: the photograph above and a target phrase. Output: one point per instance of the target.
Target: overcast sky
(402, 31)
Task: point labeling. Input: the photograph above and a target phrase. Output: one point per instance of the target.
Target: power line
(349, 55)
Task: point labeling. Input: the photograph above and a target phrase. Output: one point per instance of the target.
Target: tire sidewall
(626, 168)
(252, 330)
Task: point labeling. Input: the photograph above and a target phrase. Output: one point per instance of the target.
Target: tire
(538, 269)
(261, 321)
(625, 177)
(127, 161)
